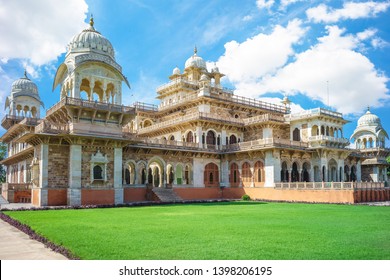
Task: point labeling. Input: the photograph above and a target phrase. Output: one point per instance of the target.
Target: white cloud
(354, 82)
(38, 30)
(244, 63)
(264, 4)
(247, 18)
(350, 10)
(285, 3)
(379, 43)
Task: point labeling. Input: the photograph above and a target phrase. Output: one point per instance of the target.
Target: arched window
(187, 175)
(259, 171)
(305, 172)
(296, 135)
(346, 173)
(233, 139)
(284, 176)
(127, 176)
(234, 175)
(246, 174)
(210, 139)
(211, 175)
(97, 172)
(190, 137)
(353, 174)
(294, 173)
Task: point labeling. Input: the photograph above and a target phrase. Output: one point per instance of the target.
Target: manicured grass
(237, 230)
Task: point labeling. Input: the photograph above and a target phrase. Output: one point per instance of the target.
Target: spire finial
(25, 73)
(91, 22)
(195, 50)
(368, 108)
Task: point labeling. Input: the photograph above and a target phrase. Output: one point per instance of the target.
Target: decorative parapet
(312, 113)
(47, 127)
(323, 140)
(263, 143)
(70, 101)
(330, 185)
(187, 118)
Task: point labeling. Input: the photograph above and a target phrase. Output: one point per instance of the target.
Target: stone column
(224, 173)
(199, 136)
(74, 191)
(272, 168)
(359, 171)
(198, 170)
(223, 137)
(43, 175)
(118, 187)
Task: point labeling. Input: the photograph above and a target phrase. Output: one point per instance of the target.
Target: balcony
(313, 113)
(50, 128)
(264, 143)
(190, 117)
(177, 83)
(70, 101)
(328, 141)
(263, 118)
(10, 120)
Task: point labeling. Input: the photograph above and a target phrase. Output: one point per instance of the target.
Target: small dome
(215, 69)
(24, 85)
(91, 39)
(195, 61)
(176, 71)
(369, 119)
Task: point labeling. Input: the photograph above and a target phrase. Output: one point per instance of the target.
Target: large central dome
(91, 40)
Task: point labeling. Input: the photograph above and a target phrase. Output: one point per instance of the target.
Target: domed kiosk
(369, 137)
(90, 71)
(369, 132)
(23, 102)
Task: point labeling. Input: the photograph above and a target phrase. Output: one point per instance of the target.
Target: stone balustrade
(330, 185)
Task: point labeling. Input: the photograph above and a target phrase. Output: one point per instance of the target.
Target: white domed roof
(369, 119)
(176, 71)
(215, 69)
(195, 61)
(91, 39)
(24, 85)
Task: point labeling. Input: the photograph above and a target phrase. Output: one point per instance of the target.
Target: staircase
(3, 200)
(166, 195)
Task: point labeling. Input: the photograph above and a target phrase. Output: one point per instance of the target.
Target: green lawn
(237, 230)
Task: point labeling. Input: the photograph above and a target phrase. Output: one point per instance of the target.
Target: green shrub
(246, 197)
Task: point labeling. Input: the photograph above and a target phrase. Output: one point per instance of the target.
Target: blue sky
(316, 52)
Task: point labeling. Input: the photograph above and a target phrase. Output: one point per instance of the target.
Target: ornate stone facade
(201, 141)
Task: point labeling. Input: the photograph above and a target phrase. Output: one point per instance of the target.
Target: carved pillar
(43, 175)
(74, 191)
(118, 187)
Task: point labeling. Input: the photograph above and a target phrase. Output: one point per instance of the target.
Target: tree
(3, 154)
(388, 168)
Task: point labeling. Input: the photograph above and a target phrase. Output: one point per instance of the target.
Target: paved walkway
(16, 245)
